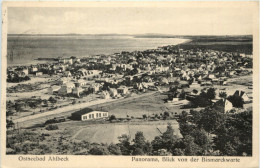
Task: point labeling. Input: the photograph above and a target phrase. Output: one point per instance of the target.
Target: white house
(38, 74)
(81, 82)
(77, 91)
(105, 95)
(223, 105)
(113, 92)
(94, 115)
(66, 88)
(122, 90)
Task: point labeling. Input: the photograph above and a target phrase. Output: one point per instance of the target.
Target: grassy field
(149, 105)
(109, 132)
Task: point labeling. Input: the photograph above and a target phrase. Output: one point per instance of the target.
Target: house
(123, 90)
(63, 80)
(223, 105)
(113, 92)
(66, 60)
(88, 114)
(243, 95)
(95, 87)
(23, 71)
(77, 91)
(212, 76)
(80, 82)
(38, 74)
(33, 69)
(82, 72)
(105, 95)
(66, 88)
(195, 85)
(94, 115)
(54, 89)
(67, 74)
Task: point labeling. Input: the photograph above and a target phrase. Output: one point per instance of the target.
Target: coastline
(46, 60)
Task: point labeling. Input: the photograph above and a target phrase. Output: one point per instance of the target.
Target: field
(149, 105)
(109, 132)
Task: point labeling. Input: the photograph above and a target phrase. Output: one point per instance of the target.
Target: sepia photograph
(138, 80)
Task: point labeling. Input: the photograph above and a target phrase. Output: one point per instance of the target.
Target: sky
(129, 20)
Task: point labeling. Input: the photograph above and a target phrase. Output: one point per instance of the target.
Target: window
(89, 116)
(93, 116)
(99, 114)
(96, 115)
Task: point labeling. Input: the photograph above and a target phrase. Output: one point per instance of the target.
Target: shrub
(99, 150)
(52, 127)
(112, 117)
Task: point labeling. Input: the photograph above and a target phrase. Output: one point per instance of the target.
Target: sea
(24, 50)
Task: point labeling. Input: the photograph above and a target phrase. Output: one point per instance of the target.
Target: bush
(112, 117)
(99, 150)
(52, 127)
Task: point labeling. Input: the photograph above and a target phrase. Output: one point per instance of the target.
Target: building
(67, 74)
(243, 95)
(105, 95)
(66, 88)
(54, 89)
(113, 92)
(80, 82)
(77, 91)
(66, 60)
(33, 69)
(122, 90)
(223, 105)
(89, 114)
(38, 74)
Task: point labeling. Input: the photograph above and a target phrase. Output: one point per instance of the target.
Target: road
(66, 111)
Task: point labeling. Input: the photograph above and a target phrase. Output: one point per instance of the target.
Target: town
(90, 89)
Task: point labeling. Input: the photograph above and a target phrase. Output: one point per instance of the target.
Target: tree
(166, 115)
(191, 148)
(211, 94)
(178, 152)
(52, 100)
(99, 150)
(138, 151)
(202, 140)
(237, 101)
(234, 137)
(9, 112)
(211, 119)
(124, 144)
(9, 124)
(112, 117)
(140, 145)
(18, 107)
(165, 141)
(223, 94)
(114, 149)
(144, 116)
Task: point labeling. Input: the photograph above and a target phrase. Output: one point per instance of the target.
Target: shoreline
(45, 60)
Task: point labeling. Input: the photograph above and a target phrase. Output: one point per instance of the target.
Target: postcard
(130, 84)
